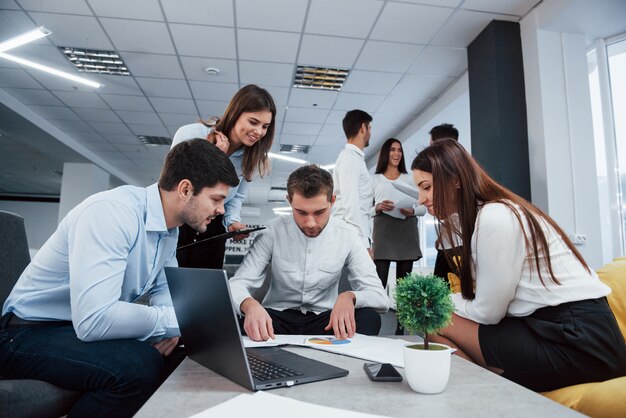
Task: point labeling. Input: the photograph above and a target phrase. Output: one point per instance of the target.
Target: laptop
(210, 330)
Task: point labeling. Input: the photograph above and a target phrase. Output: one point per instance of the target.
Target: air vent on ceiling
(276, 200)
(95, 61)
(154, 140)
(281, 188)
(319, 78)
(304, 149)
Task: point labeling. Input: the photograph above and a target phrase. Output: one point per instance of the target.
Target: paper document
(400, 199)
(376, 349)
(406, 189)
(265, 405)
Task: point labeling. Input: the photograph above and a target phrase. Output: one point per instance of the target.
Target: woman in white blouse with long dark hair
(395, 236)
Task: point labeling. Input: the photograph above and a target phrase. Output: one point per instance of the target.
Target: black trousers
(208, 255)
(294, 322)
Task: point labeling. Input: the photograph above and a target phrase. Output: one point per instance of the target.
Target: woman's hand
(385, 205)
(219, 140)
(407, 211)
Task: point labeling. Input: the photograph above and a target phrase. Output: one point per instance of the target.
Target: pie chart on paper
(328, 341)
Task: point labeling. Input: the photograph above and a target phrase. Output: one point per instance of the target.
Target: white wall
(40, 219)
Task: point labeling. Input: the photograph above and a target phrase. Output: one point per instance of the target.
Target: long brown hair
(383, 157)
(250, 98)
(460, 186)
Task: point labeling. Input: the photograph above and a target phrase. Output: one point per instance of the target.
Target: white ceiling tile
(337, 139)
(371, 82)
(394, 119)
(107, 128)
(116, 84)
(403, 103)
(441, 61)
(34, 97)
(279, 94)
(9, 4)
(48, 55)
(132, 117)
(464, 27)
(55, 112)
(138, 36)
(217, 12)
(194, 69)
(352, 18)
(178, 119)
(335, 131)
(409, 23)
(335, 117)
(96, 115)
(186, 38)
(266, 73)
(148, 129)
(443, 3)
(329, 51)
(76, 7)
(13, 23)
(18, 78)
(324, 99)
(52, 82)
(284, 15)
(418, 85)
(167, 105)
(72, 125)
(119, 102)
(267, 46)
(101, 146)
(511, 7)
(300, 114)
(153, 65)
(387, 56)
(89, 137)
(135, 9)
(122, 138)
(210, 108)
(366, 102)
(160, 87)
(79, 99)
(213, 91)
(72, 30)
(301, 128)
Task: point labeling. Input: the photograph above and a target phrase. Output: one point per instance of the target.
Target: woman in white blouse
(530, 308)
(395, 236)
(245, 133)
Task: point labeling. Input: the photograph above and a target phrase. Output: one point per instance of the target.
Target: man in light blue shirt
(70, 319)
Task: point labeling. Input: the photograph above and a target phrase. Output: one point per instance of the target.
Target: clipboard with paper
(402, 195)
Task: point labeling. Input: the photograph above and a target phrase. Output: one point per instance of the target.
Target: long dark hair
(460, 185)
(250, 98)
(383, 157)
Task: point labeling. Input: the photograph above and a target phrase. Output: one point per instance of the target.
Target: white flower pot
(427, 371)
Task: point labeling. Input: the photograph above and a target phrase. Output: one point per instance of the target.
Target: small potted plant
(424, 306)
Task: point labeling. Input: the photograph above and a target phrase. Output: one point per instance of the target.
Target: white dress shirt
(507, 283)
(353, 187)
(305, 271)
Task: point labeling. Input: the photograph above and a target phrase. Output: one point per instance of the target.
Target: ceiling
(402, 55)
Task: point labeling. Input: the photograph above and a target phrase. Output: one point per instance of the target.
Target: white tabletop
(471, 392)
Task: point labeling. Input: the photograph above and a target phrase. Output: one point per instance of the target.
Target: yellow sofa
(602, 399)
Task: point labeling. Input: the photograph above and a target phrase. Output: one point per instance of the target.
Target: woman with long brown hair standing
(245, 133)
(530, 308)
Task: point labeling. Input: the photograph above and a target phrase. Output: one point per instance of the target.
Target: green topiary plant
(423, 304)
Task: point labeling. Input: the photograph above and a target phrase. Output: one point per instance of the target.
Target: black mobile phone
(384, 372)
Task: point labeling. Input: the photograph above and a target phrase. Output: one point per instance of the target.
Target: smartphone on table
(384, 372)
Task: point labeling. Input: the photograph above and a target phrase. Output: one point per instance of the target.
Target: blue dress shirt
(105, 253)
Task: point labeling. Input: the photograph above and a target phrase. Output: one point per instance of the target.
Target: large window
(607, 67)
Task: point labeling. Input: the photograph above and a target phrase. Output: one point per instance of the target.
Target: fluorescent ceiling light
(25, 38)
(328, 167)
(284, 157)
(50, 70)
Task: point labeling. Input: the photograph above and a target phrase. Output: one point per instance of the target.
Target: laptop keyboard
(264, 370)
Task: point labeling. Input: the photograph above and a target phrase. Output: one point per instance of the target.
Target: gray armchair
(24, 398)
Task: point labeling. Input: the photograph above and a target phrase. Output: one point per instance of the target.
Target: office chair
(21, 398)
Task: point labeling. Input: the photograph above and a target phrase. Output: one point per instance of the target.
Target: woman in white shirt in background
(245, 133)
(530, 308)
(395, 236)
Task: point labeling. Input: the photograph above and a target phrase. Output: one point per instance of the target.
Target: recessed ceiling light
(212, 71)
(152, 141)
(304, 149)
(320, 78)
(24, 38)
(95, 61)
(285, 158)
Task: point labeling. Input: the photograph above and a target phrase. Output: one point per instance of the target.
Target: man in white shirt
(353, 186)
(307, 253)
